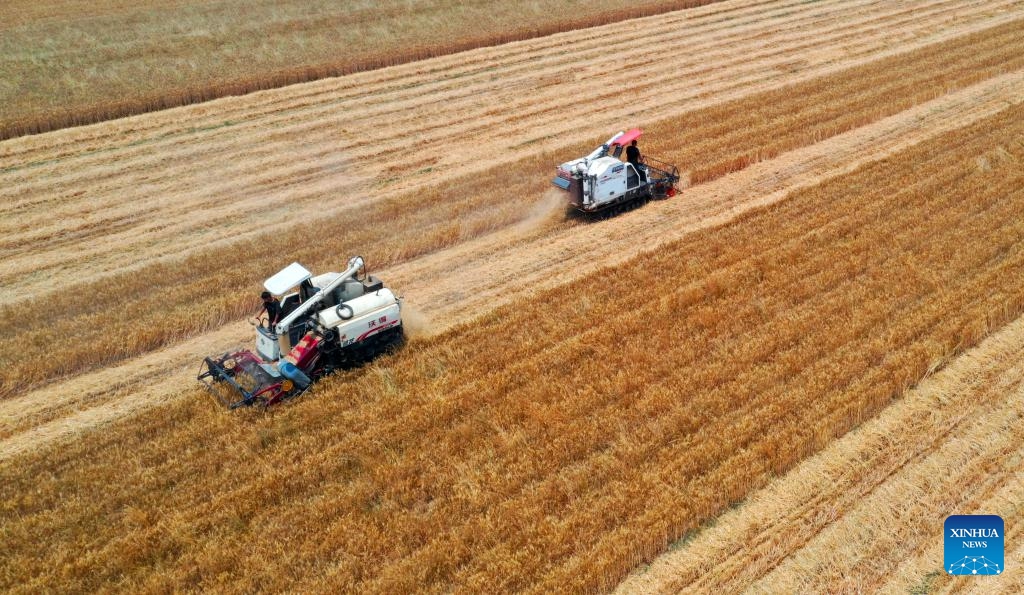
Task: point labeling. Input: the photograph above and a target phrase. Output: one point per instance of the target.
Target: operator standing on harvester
(633, 156)
(272, 305)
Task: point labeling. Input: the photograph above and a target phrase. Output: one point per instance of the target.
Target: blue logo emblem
(974, 544)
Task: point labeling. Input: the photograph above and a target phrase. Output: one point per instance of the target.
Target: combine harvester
(601, 183)
(329, 322)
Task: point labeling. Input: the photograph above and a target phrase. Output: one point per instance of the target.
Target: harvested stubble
(63, 335)
(74, 63)
(557, 443)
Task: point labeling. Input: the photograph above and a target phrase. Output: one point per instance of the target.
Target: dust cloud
(546, 212)
(417, 324)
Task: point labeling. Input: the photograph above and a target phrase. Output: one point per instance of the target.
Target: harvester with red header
(602, 183)
(328, 322)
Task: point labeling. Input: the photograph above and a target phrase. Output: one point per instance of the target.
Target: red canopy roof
(628, 137)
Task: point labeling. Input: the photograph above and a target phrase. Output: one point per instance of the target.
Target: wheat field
(665, 401)
(840, 521)
(74, 63)
(762, 126)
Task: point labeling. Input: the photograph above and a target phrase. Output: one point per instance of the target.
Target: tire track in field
(248, 186)
(458, 284)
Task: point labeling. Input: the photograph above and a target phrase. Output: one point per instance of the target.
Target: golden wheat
(64, 334)
(558, 442)
(78, 64)
(842, 520)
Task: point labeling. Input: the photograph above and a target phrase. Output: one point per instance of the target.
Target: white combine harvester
(602, 183)
(330, 321)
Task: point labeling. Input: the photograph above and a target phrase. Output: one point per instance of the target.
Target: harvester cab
(602, 183)
(328, 322)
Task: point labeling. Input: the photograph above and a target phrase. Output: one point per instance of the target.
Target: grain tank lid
(628, 137)
(287, 278)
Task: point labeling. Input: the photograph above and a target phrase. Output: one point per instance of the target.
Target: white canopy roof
(286, 278)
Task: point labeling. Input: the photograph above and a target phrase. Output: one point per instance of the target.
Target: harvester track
(840, 521)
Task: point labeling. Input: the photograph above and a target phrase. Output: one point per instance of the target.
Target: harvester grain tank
(331, 321)
(602, 183)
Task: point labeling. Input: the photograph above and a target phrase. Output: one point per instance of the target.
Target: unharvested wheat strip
(489, 272)
(746, 543)
(160, 375)
(113, 265)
